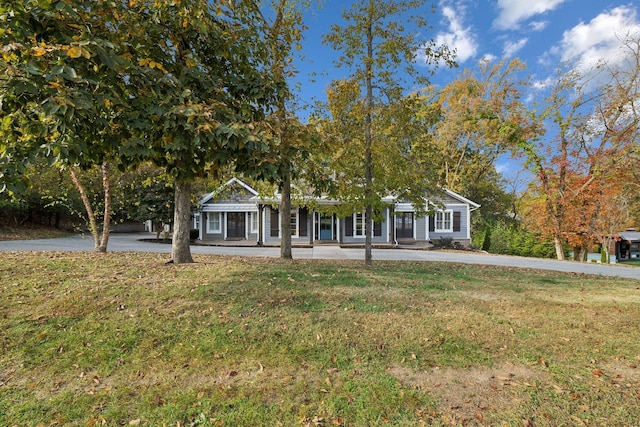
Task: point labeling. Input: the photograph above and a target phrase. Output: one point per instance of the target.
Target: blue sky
(542, 33)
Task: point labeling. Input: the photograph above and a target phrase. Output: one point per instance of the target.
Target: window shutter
(275, 223)
(302, 222)
(432, 225)
(456, 221)
(377, 228)
(348, 226)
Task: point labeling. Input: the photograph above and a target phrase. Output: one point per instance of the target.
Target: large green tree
(62, 96)
(379, 44)
(200, 93)
(282, 24)
(182, 84)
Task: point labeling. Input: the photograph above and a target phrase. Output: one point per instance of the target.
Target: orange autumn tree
(613, 208)
(582, 165)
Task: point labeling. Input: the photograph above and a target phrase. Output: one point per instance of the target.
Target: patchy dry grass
(123, 339)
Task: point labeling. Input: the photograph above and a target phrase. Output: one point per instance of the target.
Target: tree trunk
(180, 250)
(106, 186)
(604, 253)
(93, 224)
(580, 253)
(285, 210)
(557, 241)
(368, 141)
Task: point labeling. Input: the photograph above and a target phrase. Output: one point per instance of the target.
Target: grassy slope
(122, 339)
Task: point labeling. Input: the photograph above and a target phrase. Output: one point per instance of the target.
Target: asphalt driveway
(124, 242)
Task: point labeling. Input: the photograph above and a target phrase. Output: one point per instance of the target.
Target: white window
(254, 222)
(359, 229)
(294, 222)
(196, 220)
(214, 223)
(444, 221)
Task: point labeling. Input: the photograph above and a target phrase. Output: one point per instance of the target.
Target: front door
(236, 225)
(404, 225)
(326, 227)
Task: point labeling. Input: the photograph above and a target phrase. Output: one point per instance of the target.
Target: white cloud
(538, 25)
(542, 84)
(488, 57)
(599, 40)
(513, 12)
(457, 37)
(511, 48)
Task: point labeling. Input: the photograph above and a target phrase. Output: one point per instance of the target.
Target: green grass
(123, 339)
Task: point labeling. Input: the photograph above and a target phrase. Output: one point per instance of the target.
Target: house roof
(457, 196)
(275, 198)
(219, 190)
(632, 236)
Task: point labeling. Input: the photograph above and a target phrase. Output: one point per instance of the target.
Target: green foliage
(146, 194)
(486, 241)
(61, 84)
(444, 243)
(511, 239)
(200, 93)
(51, 198)
(500, 239)
(81, 83)
(48, 198)
(369, 119)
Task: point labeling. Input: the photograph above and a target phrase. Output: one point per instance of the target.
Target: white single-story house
(235, 211)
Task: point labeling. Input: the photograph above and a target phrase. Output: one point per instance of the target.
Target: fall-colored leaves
(584, 188)
(77, 52)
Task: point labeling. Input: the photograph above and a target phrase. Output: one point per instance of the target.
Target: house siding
(462, 235)
(383, 229)
(248, 235)
(236, 203)
(271, 227)
(421, 225)
(271, 218)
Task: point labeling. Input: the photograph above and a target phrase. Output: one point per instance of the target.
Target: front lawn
(123, 339)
